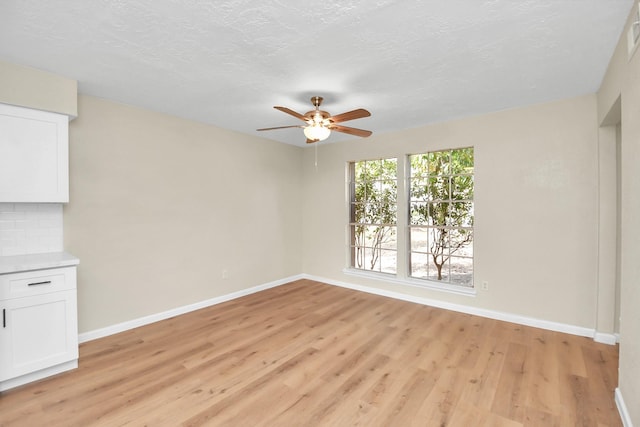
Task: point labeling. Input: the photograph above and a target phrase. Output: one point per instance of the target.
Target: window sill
(424, 284)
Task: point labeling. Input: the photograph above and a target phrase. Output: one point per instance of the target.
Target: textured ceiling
(409, 62)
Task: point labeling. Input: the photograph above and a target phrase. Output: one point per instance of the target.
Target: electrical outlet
(485, 285)
(225, 274)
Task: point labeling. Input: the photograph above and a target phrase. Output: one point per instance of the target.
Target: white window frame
(353, 247)
(467, 229)
(402, 276)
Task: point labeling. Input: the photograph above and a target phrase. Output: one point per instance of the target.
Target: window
(441, 216)
(373, 189)
(435, 217)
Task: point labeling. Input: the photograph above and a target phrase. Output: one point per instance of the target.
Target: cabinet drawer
(28, 283)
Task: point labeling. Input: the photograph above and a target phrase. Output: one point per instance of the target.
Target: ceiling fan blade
(350, 115)
(351, 131)
(282, 127)
(311, 141)
(292, 113)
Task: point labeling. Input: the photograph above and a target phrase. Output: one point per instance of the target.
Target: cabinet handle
(4, 318)
(48, 282)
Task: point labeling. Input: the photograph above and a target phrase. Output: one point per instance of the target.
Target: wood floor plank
(311, 354)
(482, 383)
(467, 414)
(511, 393)
(542, 389)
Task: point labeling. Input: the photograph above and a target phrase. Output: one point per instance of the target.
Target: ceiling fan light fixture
(317, 132)
(319, 124)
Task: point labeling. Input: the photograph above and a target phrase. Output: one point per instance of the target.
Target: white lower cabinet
(39, 334)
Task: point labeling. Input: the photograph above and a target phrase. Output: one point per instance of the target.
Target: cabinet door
(37, 332)
(34, 155)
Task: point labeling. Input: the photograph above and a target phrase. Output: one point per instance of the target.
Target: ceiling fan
(319, 124)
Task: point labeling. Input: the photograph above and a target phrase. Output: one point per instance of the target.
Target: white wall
(535, 208)
(160, 206)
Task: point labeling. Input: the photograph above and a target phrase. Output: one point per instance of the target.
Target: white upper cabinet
(34, 155)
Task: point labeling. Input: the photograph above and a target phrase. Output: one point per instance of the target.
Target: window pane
(388, 191)
(419, 239)
(374, 169)
(419, 265)
(371, 259)
(461, 271)
(439, 163)
(357, 259)
(461, 214)
(360, 194)
(390, 240)
(389, 213)
(357, 235)
(462, 187)
(465, 249)
(462, 161)
(380, 213)
(419, 190)
(438, 270)
(388, 261)
(419, 214)
(437, 213)
(380, 237)
(357, 212)
(439, 240)
(372, 213)
(419, 165)
(360, 170)
(388, 169)
(462, 242)
(439, 188)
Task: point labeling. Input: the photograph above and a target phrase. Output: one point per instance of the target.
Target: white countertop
(16, 263)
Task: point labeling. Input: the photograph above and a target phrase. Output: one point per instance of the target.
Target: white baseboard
(497, 315)
(491, 314)
(622, 409)
(606, 338)
(130, 324)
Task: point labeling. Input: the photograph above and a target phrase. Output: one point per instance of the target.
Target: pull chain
(315, 148)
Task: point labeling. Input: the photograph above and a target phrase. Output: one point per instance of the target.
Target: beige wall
(608, 231)
(159, 206)
(28, 87)
(535, 208)
(623, 80)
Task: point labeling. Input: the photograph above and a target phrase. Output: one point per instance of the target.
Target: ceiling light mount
(317, 101)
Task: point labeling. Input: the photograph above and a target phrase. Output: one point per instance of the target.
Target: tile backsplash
(30, 228)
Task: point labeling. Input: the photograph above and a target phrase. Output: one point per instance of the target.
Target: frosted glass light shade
(317, 132)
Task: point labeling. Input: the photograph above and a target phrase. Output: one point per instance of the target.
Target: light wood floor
(310, 354)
